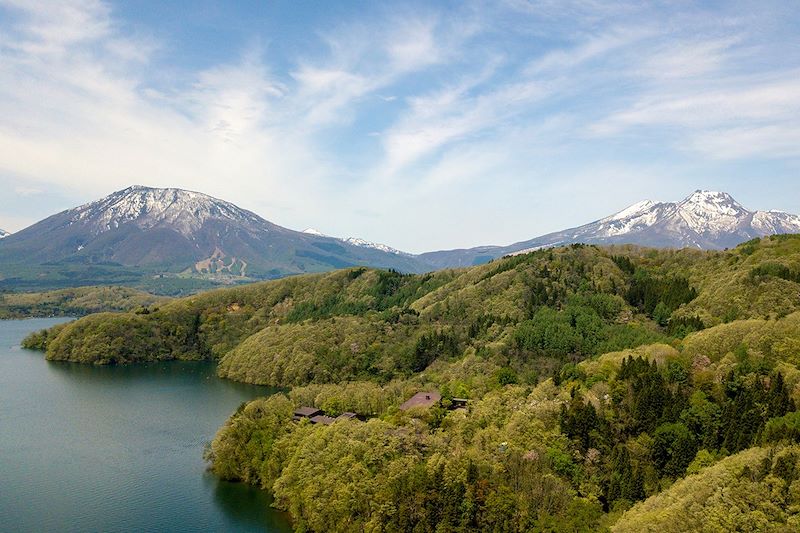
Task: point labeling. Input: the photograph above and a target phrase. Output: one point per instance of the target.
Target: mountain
(172, 241)
(706, 219)
(179, 232)
(357, 241)
(4, 233)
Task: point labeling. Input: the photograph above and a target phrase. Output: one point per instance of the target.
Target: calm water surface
(86, 448)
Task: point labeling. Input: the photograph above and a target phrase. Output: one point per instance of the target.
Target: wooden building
(306, 412)
(422, 399)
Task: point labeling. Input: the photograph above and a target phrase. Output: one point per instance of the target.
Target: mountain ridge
(708, 220)
(144, 231)
(358, 241)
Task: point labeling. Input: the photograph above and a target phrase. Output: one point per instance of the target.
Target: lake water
(85, 448)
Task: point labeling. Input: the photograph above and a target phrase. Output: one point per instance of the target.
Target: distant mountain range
(180, 233)
(4, 233)
(706, 220)
(148, 233)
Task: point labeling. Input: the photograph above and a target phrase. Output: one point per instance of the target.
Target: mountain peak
(704, 197)
(148, 207)
(704, 219)
(363, 243)
(4, 233)
(633, 210)
(148, 230)
(712, 212)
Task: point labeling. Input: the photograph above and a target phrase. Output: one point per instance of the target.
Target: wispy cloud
(418, 105)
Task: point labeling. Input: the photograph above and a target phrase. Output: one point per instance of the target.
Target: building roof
(307, 412)
(322, 419)
(346, 416)
(421, 399)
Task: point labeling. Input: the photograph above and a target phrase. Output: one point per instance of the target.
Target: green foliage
(755, 490)
(394, 473)
(776, 270)
(782, 429)
(506, 376)
(681, 326)
(39, 340)
(580, 330)
(75, 302)
(621, 419)
(430, 347)
(658, 297)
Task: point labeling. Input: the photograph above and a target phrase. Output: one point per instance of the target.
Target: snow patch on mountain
(638, 216)
(712, 212)
(180, 210)
(4, 233)
(769, 222)
(356, 241)
(707, 220)
(636, 209)
(699, 221)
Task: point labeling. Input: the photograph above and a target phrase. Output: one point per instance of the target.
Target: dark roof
(307, 412)
(322, 419)
(346, 416)
(421, 399)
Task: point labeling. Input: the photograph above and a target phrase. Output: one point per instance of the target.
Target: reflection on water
(88, 448)
(246, 504)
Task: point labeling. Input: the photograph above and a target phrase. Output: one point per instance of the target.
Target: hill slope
(596, 378)
(754, 490)
(631, 294)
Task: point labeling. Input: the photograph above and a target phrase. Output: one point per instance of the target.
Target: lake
(86, 448)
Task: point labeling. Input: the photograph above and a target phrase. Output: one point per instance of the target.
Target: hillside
(632, 295)
(75, 302)
(134, 234)
(755, 490)
(596, 378)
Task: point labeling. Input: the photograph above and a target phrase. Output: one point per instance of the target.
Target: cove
(117, 448)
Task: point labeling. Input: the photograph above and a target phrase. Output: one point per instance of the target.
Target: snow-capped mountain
(4, 233)
(356, 241)
(182, 211)
(706, 220)
(179, 231)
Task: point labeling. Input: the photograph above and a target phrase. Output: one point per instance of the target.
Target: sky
(423, 125)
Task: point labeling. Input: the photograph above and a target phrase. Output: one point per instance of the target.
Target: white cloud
(486, 104)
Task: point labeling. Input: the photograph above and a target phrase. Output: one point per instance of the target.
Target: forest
(74, 302)
(609, 388)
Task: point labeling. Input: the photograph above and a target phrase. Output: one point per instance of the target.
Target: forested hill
(561, 304)
(597, 377)
(73, 302)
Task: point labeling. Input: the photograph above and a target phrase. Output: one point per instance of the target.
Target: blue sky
(424, 125)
